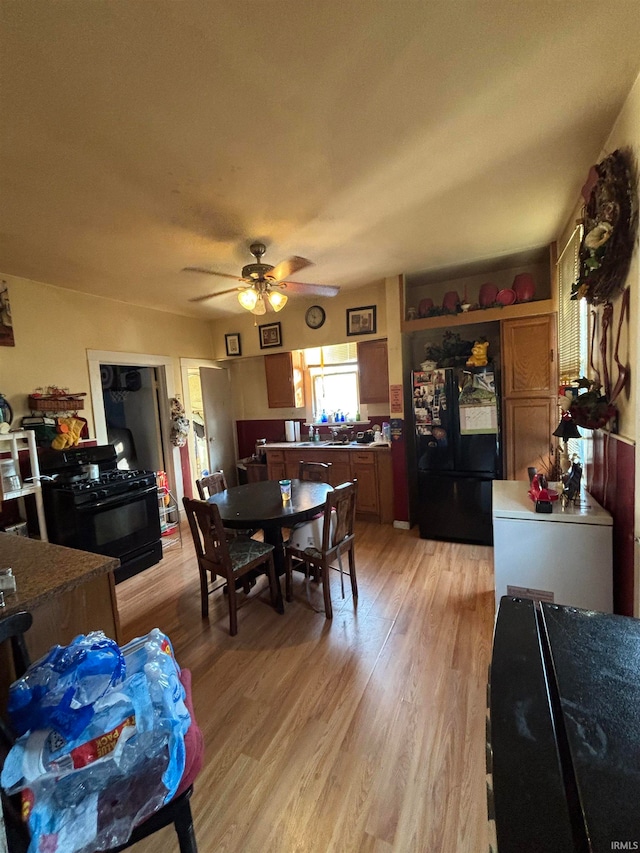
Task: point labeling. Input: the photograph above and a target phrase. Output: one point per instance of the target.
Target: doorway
(130, 398)
(161, 387)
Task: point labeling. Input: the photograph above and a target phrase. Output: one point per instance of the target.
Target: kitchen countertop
(43, 570)
(511, 500)
(326, 445)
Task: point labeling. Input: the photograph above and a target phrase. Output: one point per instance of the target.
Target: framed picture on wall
(361, 321)
(232, 342)
(270, 335)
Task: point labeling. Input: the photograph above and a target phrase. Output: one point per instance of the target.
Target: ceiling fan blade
(309, 289)
(287, 268)
(211, 295)
(211, 272)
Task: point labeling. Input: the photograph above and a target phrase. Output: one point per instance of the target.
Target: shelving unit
(7, 491)
(169, 518)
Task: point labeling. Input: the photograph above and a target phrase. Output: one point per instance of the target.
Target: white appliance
(564, 556)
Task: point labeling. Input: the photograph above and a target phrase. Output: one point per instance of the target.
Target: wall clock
(315, 317)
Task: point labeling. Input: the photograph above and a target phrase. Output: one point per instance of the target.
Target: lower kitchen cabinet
(364, 469)
(372, 469)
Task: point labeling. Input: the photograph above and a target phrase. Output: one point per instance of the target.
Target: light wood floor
(361, 734)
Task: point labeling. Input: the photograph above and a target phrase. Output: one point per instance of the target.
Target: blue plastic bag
(86, 790)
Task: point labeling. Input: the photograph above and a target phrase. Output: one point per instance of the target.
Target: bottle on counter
(311, 436)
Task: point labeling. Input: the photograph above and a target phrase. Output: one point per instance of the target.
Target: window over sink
(333, 378)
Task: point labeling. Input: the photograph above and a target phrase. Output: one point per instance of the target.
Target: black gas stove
(92, 505)
(90, 490)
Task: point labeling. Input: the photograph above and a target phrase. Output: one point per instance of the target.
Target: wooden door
(373, 368)
(219, 423)
(529, 356)
(365, 471)
(529, 425)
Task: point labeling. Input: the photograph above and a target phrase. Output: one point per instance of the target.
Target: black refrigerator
(458, 452)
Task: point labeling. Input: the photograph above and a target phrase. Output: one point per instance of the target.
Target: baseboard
(402, 525)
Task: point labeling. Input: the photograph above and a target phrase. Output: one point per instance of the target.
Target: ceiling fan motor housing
(256, 271)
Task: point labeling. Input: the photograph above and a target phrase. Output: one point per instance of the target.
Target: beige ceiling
(373, 137)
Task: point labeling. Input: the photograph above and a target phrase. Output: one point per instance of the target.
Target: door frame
(166, 389)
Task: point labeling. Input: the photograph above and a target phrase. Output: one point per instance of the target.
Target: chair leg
(233, 608)
(204, 593)
(288, 571)
(184, 830)
(326, 591)
(352, 572)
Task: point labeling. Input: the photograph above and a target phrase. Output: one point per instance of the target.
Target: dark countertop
(43, 570)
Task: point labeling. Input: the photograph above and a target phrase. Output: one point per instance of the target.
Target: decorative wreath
(610, 225)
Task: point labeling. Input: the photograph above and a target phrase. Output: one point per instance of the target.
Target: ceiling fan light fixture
(277, 299)
(260, 307)
(248, 298)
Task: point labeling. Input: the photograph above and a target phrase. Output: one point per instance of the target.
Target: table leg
(273, 536)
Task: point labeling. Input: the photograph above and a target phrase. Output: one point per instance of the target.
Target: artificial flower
(598, 236)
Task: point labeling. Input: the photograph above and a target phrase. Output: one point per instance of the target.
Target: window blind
(337, 354)
(571, 313)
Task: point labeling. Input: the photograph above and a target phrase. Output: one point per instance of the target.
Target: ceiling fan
(262, 283)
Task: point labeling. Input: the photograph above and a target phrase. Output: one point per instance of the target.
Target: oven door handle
(116, 500)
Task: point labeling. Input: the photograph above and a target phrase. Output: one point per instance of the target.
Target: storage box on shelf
(11, 484)
(56, 404)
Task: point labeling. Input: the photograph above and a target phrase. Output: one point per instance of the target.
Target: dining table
(261, 505)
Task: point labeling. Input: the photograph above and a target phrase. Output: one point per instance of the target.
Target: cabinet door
(367, 499)
(528, 442)
(529, 356)
(285, 380)
(373, 368)
(340, 468)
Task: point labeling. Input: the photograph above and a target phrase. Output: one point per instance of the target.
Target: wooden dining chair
(338, 538)
(231, 560)
(213, 484)
(314, 472)
(177, 811)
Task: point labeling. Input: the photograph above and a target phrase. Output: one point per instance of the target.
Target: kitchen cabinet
(372, 468)
(530, 389)
(285, 380)
(373, 369)
(364, 469)
(528, 428)
(528, 357)
(11, 485)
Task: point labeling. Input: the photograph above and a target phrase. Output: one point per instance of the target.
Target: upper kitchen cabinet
(529, 357)
(285, 380)
(373, 367)
(515, 286)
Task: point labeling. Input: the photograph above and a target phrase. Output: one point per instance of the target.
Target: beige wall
(54, 328)
(626, 132)
(295, 333)
(247, 371)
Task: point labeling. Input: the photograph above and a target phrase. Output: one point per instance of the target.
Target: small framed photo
(361, 321)
(270, 335)
(232, 343)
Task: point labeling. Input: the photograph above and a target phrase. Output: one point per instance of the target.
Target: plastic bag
(86, 790)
